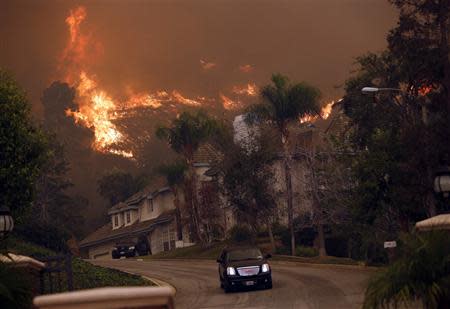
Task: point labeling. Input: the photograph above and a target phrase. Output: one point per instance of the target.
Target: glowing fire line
(97, 109)
(325, 112)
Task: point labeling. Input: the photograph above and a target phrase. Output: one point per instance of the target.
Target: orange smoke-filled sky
(199, 47)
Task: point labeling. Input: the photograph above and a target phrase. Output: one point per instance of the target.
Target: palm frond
(284, 102)
(188, 131)
(173, 172)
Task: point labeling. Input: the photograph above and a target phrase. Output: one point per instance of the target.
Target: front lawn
(212, 252)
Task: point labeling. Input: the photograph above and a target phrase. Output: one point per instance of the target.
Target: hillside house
(148, 214)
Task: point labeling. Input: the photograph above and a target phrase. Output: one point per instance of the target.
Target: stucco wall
(102, 251)
(134, 216)
(161, 203)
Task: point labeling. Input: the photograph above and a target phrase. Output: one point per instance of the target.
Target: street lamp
(6, 222)
(442, 181)
(370, 90)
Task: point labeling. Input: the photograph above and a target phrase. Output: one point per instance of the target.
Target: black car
(123, 249)
(244, 267)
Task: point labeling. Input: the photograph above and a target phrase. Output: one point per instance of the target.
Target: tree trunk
(194, 201)
(176, 201)
(289, 195)
(321, 236)
(188, 201)
(272, 239)
(444, 25)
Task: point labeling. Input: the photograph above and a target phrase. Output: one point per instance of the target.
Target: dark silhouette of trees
(283, 103)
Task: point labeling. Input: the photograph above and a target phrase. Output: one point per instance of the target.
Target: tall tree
(53, 180)
(175, 176)
(184, 135)
(284, 103)
(22, 147)
(248, 183)
(401, 137)
(117, 185)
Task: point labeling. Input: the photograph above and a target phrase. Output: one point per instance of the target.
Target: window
(116, 220)
(150, 205)
(128, 216)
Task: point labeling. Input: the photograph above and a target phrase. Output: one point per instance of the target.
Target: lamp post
(6, 222)
(370, 90)
(442, 181)
(374, 90)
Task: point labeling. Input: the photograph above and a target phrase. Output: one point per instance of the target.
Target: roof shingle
(106, 233)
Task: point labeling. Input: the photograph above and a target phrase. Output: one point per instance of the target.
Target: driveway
(295, 285)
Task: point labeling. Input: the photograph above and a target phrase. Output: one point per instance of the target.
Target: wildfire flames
(96, 108)
(424, 90)
(228, 103)
(249, 89)
(325, 112)
(246, 68)
(100, 111)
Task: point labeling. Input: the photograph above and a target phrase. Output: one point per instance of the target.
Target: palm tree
(184, 135)
(422, 273)
(284, 103)
(174, 174)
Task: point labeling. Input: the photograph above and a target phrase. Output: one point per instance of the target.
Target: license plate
(249, 283)
(122, 252)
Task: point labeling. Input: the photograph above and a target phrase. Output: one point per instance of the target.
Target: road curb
(281, 262)
(157, 282)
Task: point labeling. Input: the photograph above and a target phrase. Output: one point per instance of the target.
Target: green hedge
(306, 251)
(85, 275)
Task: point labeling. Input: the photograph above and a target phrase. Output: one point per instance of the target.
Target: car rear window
(245, 254)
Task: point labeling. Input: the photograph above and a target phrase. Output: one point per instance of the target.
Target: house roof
(157, 186)
(206, 153)
(106, 233)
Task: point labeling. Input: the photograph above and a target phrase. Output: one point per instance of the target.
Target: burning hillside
(115, 121)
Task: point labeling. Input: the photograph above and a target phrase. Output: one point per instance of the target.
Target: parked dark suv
(123, 249)
(244, 267)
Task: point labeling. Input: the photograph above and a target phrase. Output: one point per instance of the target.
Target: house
(304, 139)
(148, 215)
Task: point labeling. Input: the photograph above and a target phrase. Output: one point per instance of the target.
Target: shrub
(306, 251)
(44, 234)
(304, 236)
(241, 234)
(15, 288)
(420, 274)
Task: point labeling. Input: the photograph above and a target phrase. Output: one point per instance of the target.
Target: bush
(304, 236)
(45, 235)
(306, 251)
(85, 275)
(420, 274)
(337, 246)
(15, 288)
(241, 234)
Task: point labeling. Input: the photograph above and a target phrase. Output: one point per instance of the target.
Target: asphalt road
(295, 285)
